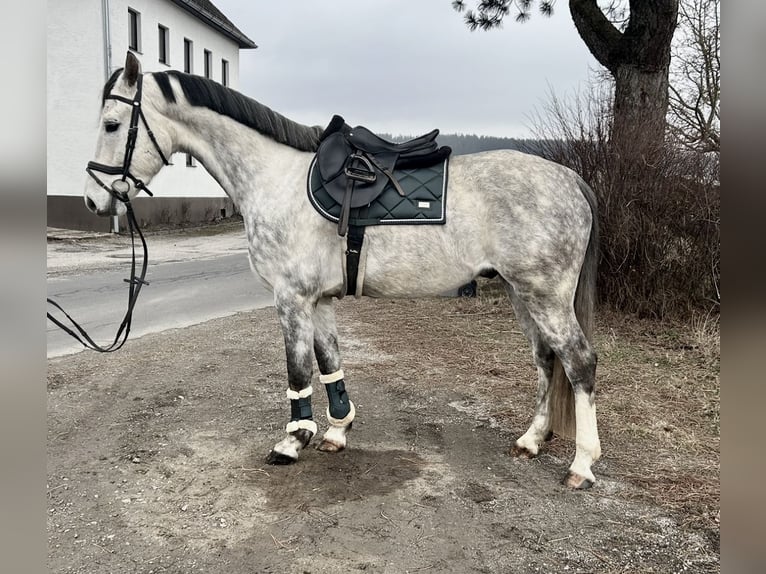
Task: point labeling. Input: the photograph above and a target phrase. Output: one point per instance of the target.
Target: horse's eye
(111, 127)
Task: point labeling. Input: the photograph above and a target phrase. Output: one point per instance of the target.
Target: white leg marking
(586, 438)
(535, 435)
(336, 436)
(289, 446)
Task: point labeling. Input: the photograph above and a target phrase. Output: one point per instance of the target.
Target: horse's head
(128, 153)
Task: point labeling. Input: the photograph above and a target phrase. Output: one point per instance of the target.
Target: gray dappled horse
(528, 219)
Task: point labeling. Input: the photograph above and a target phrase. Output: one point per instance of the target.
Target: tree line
(472, 143)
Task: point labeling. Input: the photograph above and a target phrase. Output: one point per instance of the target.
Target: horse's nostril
(90, 204)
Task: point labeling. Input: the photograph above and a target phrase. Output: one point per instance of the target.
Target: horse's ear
(132, 69)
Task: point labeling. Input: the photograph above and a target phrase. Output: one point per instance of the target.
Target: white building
(87, 41)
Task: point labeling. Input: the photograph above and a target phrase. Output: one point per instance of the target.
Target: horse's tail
(561, 393)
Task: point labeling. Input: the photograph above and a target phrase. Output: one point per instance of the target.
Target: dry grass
(657, 388)
(659, 398)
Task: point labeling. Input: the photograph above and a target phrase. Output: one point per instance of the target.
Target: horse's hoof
(279, 458)
(576, 481)
(334, 440)
(522, 452)
(330, 446)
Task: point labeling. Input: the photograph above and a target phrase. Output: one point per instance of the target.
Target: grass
(660, 411)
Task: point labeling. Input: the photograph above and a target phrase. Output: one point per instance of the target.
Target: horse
(528, 220)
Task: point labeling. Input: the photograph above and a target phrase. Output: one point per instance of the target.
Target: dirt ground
(156, 453)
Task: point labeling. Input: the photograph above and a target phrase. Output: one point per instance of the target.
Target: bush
(659, 213)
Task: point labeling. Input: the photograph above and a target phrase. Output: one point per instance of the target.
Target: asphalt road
(179, 294)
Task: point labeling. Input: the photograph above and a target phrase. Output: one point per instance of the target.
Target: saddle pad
(425, 200)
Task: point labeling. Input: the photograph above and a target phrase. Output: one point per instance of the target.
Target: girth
(356, 169)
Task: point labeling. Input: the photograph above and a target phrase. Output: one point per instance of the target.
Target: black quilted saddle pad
(425, 198)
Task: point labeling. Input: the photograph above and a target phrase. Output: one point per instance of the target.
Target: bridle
(119, 189)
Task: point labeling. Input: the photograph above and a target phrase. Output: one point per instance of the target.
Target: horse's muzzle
(107, 211)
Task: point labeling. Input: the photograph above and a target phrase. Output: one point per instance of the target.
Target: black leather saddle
(355, 164)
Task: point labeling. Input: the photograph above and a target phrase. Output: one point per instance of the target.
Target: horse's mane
(201, 91)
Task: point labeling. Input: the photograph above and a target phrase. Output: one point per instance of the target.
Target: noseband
(120, 187)
(119, 191)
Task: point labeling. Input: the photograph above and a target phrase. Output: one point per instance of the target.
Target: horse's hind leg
(528, 445)
(558, 326)
(295, 316)
(340, 410)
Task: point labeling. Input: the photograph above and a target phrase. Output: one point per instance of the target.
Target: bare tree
(695, 89)
(634, 46)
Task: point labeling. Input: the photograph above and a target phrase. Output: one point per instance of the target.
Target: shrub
(659, 213)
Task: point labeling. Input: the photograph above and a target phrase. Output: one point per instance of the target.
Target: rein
(135, 283)
(119, 189)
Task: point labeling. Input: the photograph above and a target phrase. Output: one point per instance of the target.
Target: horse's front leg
(340, 410)
(295, 316)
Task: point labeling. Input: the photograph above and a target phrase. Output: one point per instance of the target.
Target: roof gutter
(107, 38)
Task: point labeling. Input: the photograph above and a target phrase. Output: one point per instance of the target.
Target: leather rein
(119, 189)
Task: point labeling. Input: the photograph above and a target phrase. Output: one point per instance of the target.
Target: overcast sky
(405, 66)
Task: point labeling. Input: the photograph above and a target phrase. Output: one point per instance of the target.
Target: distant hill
(471, 143)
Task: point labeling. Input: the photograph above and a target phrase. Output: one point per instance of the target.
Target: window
(225, 72)
(164, 44)
(188, 55)
(134, 30)
(208, 63)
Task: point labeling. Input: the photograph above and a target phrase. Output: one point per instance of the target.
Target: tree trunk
(640, 109)
(638, 59)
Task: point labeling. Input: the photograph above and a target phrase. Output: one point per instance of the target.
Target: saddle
(355, 165)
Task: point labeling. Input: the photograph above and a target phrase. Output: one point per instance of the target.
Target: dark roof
(207, 12)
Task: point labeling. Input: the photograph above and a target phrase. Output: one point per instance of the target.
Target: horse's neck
(243, 161)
